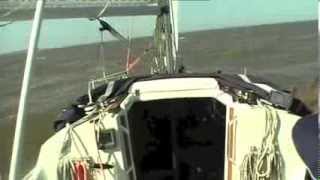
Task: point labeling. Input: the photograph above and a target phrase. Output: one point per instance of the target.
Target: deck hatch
(178, 139)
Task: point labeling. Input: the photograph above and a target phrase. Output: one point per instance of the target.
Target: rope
(129, 44)
(132, 62)
(97, 128)
(81, 170)
(102, 58)
(66, 168)
(265, 163)
(73, 170)
(104, 9)
(101, 50)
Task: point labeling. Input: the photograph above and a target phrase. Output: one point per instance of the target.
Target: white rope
(65, 168)
(104, 9)
(97, 128)
(265, 163)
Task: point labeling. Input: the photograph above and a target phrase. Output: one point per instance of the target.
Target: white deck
(248, 130)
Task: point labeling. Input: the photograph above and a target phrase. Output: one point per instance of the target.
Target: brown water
(286, 54)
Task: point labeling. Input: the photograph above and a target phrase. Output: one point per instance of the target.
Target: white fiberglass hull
(244, 128)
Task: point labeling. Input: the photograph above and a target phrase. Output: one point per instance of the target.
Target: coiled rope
(69, 168)
(81, 170)
(266, 162)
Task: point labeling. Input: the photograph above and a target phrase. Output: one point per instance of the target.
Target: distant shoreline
(181, 34)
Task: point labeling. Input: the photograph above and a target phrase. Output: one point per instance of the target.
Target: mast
(33, 43)
(166, 38)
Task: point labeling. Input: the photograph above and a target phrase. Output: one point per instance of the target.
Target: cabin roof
(230, 83)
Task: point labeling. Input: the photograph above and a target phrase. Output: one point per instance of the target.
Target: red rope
(131, 65)
(132, 62)
(81, 171)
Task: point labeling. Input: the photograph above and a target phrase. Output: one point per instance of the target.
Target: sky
(193, 16)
